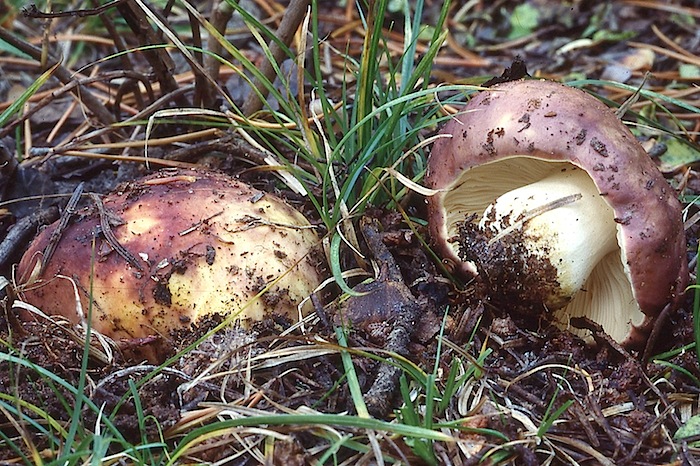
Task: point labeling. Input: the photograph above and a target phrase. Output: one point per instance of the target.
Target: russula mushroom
(548, 196)
(183, 245)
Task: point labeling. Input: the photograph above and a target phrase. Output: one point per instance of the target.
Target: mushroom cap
(206, 243)
(512, 134)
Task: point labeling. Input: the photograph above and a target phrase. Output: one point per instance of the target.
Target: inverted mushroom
(183, 245)
(550, 198)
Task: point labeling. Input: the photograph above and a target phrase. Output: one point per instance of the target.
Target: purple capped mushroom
(168, 251)
(545, 193)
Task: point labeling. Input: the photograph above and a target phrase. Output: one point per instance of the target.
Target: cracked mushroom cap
(504, 167)
(197, 243)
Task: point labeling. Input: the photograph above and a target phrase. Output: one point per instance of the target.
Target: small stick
(529, 215)
(62, 225)
(21, 233)
(656, 331)
(109, 234)
(33, 12)
(386, 382)
(220, 16)
(66, 76)
(288, 26)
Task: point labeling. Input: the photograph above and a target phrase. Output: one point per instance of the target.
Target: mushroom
(169, 250)
(544, 193)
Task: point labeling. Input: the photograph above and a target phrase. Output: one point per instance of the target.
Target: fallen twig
(290, 23)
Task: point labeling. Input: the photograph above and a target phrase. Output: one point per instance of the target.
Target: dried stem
(65, 76)
(290, 23)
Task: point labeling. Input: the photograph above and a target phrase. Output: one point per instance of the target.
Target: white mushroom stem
(561, 220)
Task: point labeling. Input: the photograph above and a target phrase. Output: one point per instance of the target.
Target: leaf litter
(528, 393)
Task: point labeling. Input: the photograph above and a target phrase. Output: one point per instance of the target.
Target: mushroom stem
(560, 226)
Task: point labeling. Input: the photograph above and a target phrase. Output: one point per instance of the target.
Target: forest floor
(476, 385)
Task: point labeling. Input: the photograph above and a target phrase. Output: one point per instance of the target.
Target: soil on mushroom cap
(518, 279)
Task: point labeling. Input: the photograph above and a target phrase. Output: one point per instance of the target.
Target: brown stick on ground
(220, 16)
(386, 299)
(65, 76)
(160, 60)
(285, 32)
